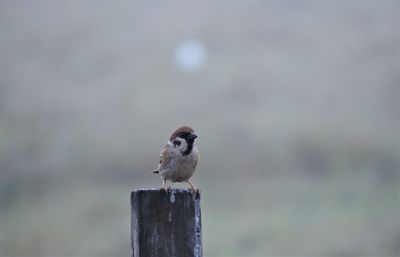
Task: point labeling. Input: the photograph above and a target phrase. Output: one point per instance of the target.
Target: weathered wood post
(166, 224)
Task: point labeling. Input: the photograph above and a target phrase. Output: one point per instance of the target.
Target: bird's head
(183, 139)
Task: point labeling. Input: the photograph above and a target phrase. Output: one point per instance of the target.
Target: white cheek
(183, 145)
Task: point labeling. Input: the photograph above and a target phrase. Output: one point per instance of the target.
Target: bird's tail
(156, 172)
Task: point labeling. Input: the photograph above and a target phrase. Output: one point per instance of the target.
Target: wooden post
(166, 224)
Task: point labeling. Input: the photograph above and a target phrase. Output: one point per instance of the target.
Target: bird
(178, 158)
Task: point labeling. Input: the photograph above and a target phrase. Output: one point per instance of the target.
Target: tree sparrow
(178, 158)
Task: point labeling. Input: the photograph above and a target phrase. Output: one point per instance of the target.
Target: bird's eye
(177, 143)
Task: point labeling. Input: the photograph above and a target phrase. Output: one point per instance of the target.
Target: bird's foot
(195, 191)
(192, 187)
(165, 188)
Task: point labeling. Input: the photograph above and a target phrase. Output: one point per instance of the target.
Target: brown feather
(164, 157)
(180, 130)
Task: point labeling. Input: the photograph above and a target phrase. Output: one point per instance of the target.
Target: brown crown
(183, 129)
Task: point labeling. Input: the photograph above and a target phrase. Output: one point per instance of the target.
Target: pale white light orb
(190, 55)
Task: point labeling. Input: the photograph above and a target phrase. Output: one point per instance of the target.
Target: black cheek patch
(177, 143)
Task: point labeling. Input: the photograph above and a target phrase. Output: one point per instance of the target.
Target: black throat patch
(189, 147)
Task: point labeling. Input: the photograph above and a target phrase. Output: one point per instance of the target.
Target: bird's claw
(165, 188)
(194, 190)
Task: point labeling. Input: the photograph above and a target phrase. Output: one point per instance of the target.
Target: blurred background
(296, 104)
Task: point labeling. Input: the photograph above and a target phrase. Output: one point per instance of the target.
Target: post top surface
(171, 192)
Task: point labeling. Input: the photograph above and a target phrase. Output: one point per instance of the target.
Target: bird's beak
(192, 136)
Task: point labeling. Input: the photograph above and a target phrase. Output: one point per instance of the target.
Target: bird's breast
(181, 167)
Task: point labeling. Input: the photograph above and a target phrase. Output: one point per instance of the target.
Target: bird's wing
(165, 157)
